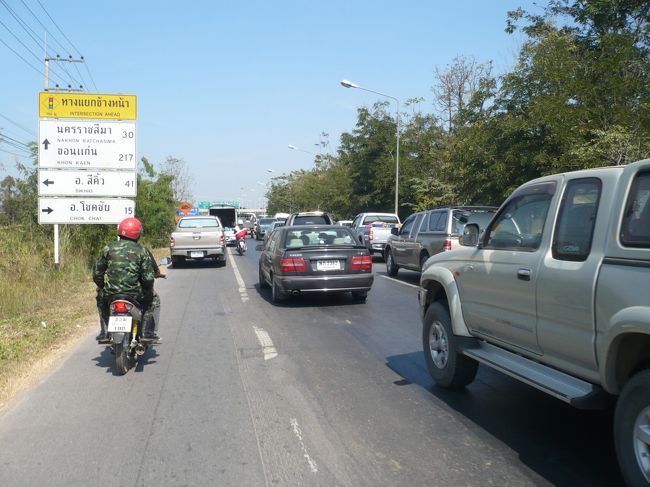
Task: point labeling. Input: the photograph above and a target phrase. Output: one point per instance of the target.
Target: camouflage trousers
(151, 312)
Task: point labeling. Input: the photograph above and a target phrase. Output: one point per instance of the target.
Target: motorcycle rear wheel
(121, 359)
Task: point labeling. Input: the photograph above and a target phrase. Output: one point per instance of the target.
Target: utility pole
(58, 88)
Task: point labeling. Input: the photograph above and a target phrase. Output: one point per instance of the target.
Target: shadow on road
(310, 300)
(566, 446)
(106, 359)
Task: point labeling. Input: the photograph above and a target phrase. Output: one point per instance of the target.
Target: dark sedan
(314, 259)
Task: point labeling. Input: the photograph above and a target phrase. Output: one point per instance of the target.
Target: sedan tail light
(447, 244)
(293, 264)
(361, 263)
(370, 234)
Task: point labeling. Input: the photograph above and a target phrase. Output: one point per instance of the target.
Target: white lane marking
(401, 282)
(267, 344)
(243, 294)
(348, 322)
(298, 432)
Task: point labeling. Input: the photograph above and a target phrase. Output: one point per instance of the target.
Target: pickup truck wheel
(632, 429)
(448, 367)
(391, 268)
(423, 259)
(177, 261)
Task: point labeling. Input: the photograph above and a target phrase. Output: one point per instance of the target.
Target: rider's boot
(103, 335)
(150, 328)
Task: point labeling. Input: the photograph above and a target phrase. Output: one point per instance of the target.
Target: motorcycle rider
(240, 233)
(125, 268)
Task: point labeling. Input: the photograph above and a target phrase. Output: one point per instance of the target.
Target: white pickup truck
(373, 229)
(555, 293)
(198, 237)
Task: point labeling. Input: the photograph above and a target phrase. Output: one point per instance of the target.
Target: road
(317, 391)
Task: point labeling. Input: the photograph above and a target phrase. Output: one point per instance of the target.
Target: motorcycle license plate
(119, 324)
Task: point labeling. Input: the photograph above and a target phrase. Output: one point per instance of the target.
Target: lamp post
(293, 147)
(349, 84)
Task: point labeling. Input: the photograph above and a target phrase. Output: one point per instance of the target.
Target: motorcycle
(124, 326)
(241, 246)
(241, 241)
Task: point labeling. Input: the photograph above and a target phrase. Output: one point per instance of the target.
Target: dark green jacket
(125, 267)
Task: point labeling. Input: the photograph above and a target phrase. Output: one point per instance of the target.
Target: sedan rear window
(319, 237)
(198, 223)
(310, 220)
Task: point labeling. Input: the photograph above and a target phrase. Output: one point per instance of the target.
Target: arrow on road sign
(47, 182)
(46, 143)
(47, 210)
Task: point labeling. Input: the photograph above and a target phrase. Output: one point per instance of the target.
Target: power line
(17, 124)
(73, 47)
(59, 29)
(43, 25)
(12, 153)
(31, 34)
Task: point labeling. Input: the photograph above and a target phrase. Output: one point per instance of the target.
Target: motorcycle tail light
(293, 265)
(361, 263)
(447, 245)
(121, 307)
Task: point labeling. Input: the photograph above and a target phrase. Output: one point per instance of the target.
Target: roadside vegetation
(577, 96)
(44, 308)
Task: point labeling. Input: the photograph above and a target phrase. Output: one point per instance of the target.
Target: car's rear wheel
(277, 295)
(632, 429)
(447, 365)
(263, 283)
(391, 267)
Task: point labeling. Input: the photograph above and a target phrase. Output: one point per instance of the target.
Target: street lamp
(293, 147)
(349, 84)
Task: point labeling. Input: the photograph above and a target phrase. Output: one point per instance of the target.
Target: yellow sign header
(86, 105)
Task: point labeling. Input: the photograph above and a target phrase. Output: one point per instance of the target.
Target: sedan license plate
(328, 265)
(196, 255)
(119, 323)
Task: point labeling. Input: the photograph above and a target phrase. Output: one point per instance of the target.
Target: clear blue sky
(226, 86)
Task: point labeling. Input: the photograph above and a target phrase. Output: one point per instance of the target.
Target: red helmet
(130, 228)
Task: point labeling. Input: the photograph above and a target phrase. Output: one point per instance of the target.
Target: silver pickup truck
(198, 237)
(555, 293)
(373, 229)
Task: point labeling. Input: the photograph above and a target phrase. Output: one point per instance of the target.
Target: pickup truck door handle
(523, 274)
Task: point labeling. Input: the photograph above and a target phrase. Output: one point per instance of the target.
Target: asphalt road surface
(317, 391)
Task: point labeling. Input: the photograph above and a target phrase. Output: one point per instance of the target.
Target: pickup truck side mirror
(394, 231)
(470, 235)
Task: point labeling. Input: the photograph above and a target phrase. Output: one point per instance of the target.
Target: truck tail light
(172, 242)
(370, 234)
(361, 263)
(447, 244)
(221, 239)
(292, 264)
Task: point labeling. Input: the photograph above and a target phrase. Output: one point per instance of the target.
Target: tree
(181, 180)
